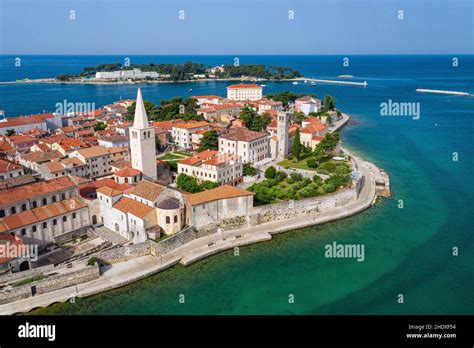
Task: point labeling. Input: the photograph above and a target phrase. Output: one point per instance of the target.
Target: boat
(305, 81)
(295, 83)
(262, 85)
(190, 90)
(313, 83)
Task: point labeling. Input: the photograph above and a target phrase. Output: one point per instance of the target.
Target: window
(168, 220)
(13, 210)
(35, 205)
(73, 215)
(54, 198)
(45, 225)
(63, 196)
(55, 222)
(23, 207)
(45, 201)
(23, 231)
(2, 213)
(175, 218)
(34, 228)
(64, 218)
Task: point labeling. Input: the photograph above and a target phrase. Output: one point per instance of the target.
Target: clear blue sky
(136, 27)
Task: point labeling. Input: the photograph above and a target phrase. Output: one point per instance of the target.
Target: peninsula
(113, 195)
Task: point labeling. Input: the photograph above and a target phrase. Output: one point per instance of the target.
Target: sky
(245, 27)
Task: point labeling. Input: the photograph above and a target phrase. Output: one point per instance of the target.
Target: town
(111, 195)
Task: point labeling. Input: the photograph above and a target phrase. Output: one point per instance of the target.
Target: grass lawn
(171, 157)
(327, 165)
(182, 153)
(298, 165)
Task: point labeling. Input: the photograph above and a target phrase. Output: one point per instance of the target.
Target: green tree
(100, 126)
(209, 141)
(188, 183)
(329, 103)
(299, 117)
(10, 132)
(249, 170)
(296, 147)
(270, 172)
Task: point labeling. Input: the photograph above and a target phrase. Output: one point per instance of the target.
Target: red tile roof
(131, 206)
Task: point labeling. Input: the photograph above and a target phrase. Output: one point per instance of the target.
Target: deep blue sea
(409, 251)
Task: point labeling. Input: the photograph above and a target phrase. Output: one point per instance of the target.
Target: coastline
(123, 273)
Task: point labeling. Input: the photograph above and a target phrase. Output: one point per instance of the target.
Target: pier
(437, 91)
(353, 83)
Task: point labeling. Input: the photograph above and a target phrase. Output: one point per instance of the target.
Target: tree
(329, 103)
(100, 126)
(296, 147)
(188, 183)
(299, 117)
(157, 143)
(270, 172)
(209, 141)
(10, 132)
(249, 170)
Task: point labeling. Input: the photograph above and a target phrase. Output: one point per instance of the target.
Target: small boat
(305, 81)
(313, 83)
(190, 90)
(295, 83)
(263, 85)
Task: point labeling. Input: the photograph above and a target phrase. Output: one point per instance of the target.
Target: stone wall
(123, 253)
(55, 282)
(25, 274)
(177, 240)
(302, 207)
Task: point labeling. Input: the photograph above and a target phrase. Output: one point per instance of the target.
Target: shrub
(91, 262)
(270, 172)
(295, 177)
(280, 176)
(329, 187)
(312, 163)
(290, 157)
(317, 179)
(249, 170)
(322, 171)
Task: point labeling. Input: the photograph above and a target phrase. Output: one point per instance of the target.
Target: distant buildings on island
(60, 175)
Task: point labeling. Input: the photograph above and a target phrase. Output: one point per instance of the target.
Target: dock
(437, 91)
(353, 83)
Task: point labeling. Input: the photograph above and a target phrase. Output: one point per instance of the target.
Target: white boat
(295, 83)
(305, 81)
(313, 83)
(263, 85)
(190, 90)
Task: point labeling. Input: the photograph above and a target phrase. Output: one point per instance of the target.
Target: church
(148, 209)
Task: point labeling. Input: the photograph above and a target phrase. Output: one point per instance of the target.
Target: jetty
(438, 91)
(353, 83)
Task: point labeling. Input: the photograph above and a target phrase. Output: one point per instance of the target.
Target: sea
(419, 244)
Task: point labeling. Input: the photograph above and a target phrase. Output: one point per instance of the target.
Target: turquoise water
(408, 251)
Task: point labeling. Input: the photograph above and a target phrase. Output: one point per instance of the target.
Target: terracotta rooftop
(127, 172)
(24, 120)
(242, 134)
(34, 190)
(35, 215)
(191, 125)
(109, 191)
(40, 156)
(168, 125)
(131, 206)
(221, 192)
(93, 186)
(94, 151)
(169, 203)
(53, 166)
(244, 85)
(313, 128)
(199, 157)
(7, 166)
(147, 190)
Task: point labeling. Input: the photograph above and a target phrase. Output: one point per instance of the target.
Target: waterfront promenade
(123, 273)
